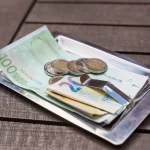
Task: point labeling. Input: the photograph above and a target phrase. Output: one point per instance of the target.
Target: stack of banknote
(25, 61)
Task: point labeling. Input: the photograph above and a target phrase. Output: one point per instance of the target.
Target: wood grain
(128, 39)
(98, 1)
(10, 18)
(91, 14)
(14, 106)
(145, 59)
(44, 137)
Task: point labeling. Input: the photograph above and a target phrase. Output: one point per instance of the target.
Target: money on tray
(49, 59)
(35, 67)
(75, 67)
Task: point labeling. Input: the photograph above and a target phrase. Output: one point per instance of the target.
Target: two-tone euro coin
(72, 67)
(78, 67)
(95, 65)
(80, 63)
(49, 69)
(60, 66)
(54, 79)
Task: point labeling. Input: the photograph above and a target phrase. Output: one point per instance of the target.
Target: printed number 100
(7, 63)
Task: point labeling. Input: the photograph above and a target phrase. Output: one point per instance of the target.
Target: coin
(49, 69)
(60, 66)
(54, 79)
(95, 65)
(80, 63)
(72, 67)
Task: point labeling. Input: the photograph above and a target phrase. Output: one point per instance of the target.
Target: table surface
(119, 25)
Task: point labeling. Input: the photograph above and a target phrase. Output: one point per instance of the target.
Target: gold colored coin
(60, 66)
(96, 65)
(54, 79)
(72, 67)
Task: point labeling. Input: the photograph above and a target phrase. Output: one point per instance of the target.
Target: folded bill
(86, 109)
(93, 97)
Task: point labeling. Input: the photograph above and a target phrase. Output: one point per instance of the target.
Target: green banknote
(23, 61)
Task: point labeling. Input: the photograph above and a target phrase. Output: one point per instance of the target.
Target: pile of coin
(76, 67)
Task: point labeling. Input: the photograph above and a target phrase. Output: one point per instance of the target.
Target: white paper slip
(128, 82)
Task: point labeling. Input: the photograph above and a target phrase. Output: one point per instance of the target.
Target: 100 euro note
(23, 63)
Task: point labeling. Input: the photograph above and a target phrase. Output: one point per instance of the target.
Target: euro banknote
(83, 108)
(23, 62)
(71, 88)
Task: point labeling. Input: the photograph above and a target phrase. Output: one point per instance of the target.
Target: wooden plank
(91, 14)
(24, 136)
(145, 59)
(99, 1)
(11, 17)
(128, 39)
(15, 106)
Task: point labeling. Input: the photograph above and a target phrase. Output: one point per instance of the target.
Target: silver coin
(60, 66)
(80, 63)
(72, 67)
(95, 65)
(49, 69)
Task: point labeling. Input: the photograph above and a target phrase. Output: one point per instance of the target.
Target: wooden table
(119, 25)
